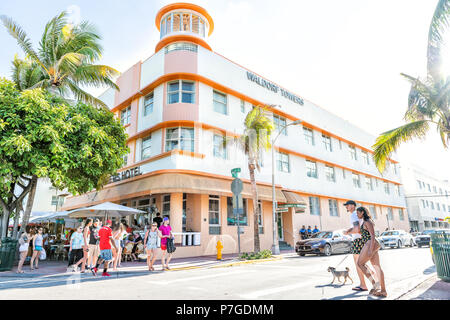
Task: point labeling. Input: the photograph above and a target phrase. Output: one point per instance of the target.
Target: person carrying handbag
(166, 234)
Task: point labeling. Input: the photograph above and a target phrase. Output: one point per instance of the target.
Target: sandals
(358, 288)
(381, 294)
(20, 271)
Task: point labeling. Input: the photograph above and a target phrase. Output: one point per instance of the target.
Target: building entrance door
(280, 226)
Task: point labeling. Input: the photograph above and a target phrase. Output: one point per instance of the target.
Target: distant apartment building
(427, 198)
(47, 197)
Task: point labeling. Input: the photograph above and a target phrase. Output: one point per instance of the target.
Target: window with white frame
(330, 174)
(352, 151)
(438, 206)
(242, 106)
(125, 159)
(180, 138)
(365, 157)
(283, 162)
(146, 147)
(369, 183)
(260, 217)
(125, 116)
(332, 203)
(314, 206)
(280, 123)
(386, 187)
(343, 174)
(311, 169)
(148, 104)
(220, 102)
(181, 91)
(327, 142)
(309, 136)
(214, 215)
(423, 203)
(356, 180)
(166, 205)
(390, 214)
(432, 205)
(181, 46)
(220, 147)
(373, 212)
(397, 190)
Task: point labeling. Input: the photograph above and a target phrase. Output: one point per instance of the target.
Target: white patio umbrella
(106, 209)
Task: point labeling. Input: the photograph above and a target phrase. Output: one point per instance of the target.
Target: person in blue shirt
(308, 231)
(303, 232)
(315, 229)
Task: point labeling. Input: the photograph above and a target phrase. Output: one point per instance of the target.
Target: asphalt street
(293, 277)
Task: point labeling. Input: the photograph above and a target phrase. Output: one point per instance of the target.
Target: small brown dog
(339, 274)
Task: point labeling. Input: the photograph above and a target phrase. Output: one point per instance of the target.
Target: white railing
(188, 238)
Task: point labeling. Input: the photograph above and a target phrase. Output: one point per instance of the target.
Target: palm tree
(65, 60)
(258, 127)
(428, 102)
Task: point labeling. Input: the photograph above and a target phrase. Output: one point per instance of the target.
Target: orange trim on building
(338, 198)
(219, 87)
(183, 5)
(181, 37)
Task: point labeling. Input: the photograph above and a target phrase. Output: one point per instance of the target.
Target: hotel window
(330, 174)
(369, 183)
(397, 190)
(166, 205)
(125, 159)
(148, 104)
(195, 24)
(220, 147)
(356, 180)
(260, 218)
(214, 215)
(327, 143)
(186, 22)
(279, 123)
(333, 207)
(390, 214)
(181, 46)
(423, 203)
(440, 190)
(343, 174)
(420, 184)
(395, 169)
(146, 147)
(376, 183)
(185, 95)
(352, 151)
(428, 204)
(340, 144)
(125, 116)
(311, 169)
(283, 162)
(231, 218)
(314, 206)
(309, 136)
(443, 208)
(180, 138)
(176, 26)
(434, 189)
(429, 188)
(365, 157)
(386, 187)
(242, 106)
(401, 215)
(373, 212)
(432, 205)
(438, 206)
(220, 102)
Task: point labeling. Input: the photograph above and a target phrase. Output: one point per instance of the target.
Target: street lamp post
(275, 246)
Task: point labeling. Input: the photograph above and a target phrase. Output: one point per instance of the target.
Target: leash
(342, 260)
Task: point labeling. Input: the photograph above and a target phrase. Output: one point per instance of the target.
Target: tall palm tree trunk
(257, 247)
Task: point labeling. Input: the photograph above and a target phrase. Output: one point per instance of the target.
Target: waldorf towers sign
(273, 87)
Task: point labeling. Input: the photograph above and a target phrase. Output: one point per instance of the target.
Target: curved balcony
(183, 23)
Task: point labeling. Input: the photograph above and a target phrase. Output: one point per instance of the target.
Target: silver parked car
(396, 238)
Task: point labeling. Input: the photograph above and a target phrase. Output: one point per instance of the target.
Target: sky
(345, 56)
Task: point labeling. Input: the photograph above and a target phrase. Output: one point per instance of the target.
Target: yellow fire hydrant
(219, 248)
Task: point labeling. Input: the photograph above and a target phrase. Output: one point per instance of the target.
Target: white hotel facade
(179, 104)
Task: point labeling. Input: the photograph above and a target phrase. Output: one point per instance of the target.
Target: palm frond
(439, 25)
(83, 96)
(22, 39)
(96, 75)
(389, 141)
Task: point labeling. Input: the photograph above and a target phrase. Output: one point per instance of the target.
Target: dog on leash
(339, 274)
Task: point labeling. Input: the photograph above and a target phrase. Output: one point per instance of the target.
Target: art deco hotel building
(179, 104)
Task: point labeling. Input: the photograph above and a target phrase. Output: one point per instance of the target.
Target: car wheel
(399, 244)
(301, 254)
(419, 246)
(327, 250)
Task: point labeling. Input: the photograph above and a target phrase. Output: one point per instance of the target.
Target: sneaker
(94, 271)
(106, 274)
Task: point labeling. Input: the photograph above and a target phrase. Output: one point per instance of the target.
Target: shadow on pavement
(438, 291)
(334, 285)
(430, 270)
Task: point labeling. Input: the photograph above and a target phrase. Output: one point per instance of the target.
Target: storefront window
(166, 206)
(231, 219)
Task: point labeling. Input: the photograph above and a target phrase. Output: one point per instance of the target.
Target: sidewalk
(431, 289)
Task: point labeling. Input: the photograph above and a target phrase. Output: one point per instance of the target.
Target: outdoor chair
(60, 252)
(126, 253)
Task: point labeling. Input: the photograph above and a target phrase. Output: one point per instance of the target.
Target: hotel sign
(124, 175)
(274, 88)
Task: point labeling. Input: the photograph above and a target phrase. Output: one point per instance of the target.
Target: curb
(232, 264)
(414, 288)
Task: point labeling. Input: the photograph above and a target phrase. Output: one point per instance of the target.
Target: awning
(168, 183)
(294, 198)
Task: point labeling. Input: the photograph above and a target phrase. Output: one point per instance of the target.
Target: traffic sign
(237, 186)
(282, 209)
(235, 171)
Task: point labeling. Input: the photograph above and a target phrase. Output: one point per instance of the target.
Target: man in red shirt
(106, 239)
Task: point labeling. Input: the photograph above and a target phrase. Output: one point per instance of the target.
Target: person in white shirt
(357, 244)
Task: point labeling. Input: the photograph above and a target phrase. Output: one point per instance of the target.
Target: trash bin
(440, 243)
(7, 253)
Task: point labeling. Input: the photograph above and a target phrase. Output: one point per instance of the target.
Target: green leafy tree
(428, 102)
(258, 127)
(65, 60)
(76, 146)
